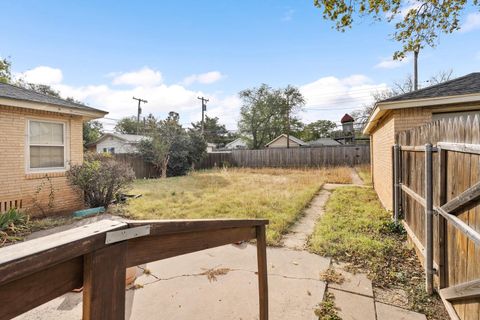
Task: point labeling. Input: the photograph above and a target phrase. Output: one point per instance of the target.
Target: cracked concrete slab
(387, 312)
(174, 289)
(355, 283)
(353, 306)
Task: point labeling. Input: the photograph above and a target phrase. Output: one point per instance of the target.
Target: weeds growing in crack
(326, 309)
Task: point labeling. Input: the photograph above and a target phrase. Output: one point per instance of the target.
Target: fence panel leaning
(437, 190)
(345, 155)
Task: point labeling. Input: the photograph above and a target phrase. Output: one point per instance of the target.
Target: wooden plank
(460, 147)
(449, 307)
(262, 272)
(104, 283)
(470, 195)
(414, 195)
(30, 256)
(462, 291)
(460, 225)
(442, 223)
(413, 148)
(162, 227)
(28, 292)
(163, 246)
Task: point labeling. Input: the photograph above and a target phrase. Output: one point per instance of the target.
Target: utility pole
(288, 123)
(204, 108)
(139, 111)
(415, 69)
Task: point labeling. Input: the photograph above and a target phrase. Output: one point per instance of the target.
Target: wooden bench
(96, 256)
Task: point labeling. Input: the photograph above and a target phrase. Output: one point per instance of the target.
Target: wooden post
(396, 182)
(428, 219)
(262, 272)
(104, 283)
(442, 223)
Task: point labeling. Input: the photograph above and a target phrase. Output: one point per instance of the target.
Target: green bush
(101, 178)
(12, 219)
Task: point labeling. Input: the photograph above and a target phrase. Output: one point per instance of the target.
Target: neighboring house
(457, 97)
(41, 136)
(211, 147)
(117, 143)
(238, 143)
(281, 142)
(324, 142)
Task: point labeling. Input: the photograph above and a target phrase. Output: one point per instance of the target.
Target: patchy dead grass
(356, 229)
(364, 171)
(332, 276)
(279, 195)
(213, 273)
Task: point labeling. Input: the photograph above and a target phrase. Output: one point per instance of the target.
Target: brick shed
(457, 97)
(40, 137)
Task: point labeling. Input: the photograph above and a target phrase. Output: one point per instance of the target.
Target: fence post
(442, 223)
(396, 182)
(428, 219)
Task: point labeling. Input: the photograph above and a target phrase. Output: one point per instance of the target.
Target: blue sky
(103, 52)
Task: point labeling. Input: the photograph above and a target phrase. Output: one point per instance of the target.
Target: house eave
(383, 107)
(32, 105)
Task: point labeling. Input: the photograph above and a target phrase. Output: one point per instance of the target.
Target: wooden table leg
(262, 272)
(104, 283)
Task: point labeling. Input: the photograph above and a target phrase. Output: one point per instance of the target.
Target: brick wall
(34, 189)
(382, 140)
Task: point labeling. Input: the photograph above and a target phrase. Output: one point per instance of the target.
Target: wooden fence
(437, 190)
(96, 255)
(345, 155)
(142, 168)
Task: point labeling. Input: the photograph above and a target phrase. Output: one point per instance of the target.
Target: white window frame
(64, 145)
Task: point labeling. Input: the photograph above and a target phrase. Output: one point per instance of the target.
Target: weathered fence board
(456, 168)
(142, 168)
(346, 155)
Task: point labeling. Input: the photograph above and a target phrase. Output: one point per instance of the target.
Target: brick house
(40, 136)
(457, 97)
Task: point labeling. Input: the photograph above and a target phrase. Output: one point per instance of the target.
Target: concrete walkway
(354, 296)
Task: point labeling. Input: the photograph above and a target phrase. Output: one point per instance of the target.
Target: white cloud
(144, 77)
(331, 97)
(471, 23)
(42, 75)
(389, 63)
(203, 78)
(288, 15)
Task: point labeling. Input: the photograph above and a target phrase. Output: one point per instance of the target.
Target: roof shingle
(468, 84)
(18, 93)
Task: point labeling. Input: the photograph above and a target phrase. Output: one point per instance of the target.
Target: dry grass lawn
(276, 194)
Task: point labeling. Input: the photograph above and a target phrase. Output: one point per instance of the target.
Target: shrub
(12, 219)
(101, 178)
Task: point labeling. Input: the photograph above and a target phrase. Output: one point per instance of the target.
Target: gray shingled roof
(467, 84)
(18, 93)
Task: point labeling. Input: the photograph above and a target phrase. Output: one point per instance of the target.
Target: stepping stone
(353, 306)
(387, 312)
(355, 283)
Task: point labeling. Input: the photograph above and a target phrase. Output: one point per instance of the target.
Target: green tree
(5, 71)
(92, 131)
(127, 125)
(265, 113)
(170, 148)
(214, 132)
(318, 129)
(419, 27)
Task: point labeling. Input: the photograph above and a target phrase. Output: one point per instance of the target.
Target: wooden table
(96, 256)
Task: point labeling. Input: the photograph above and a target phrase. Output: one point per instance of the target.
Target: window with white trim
(46, 145)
